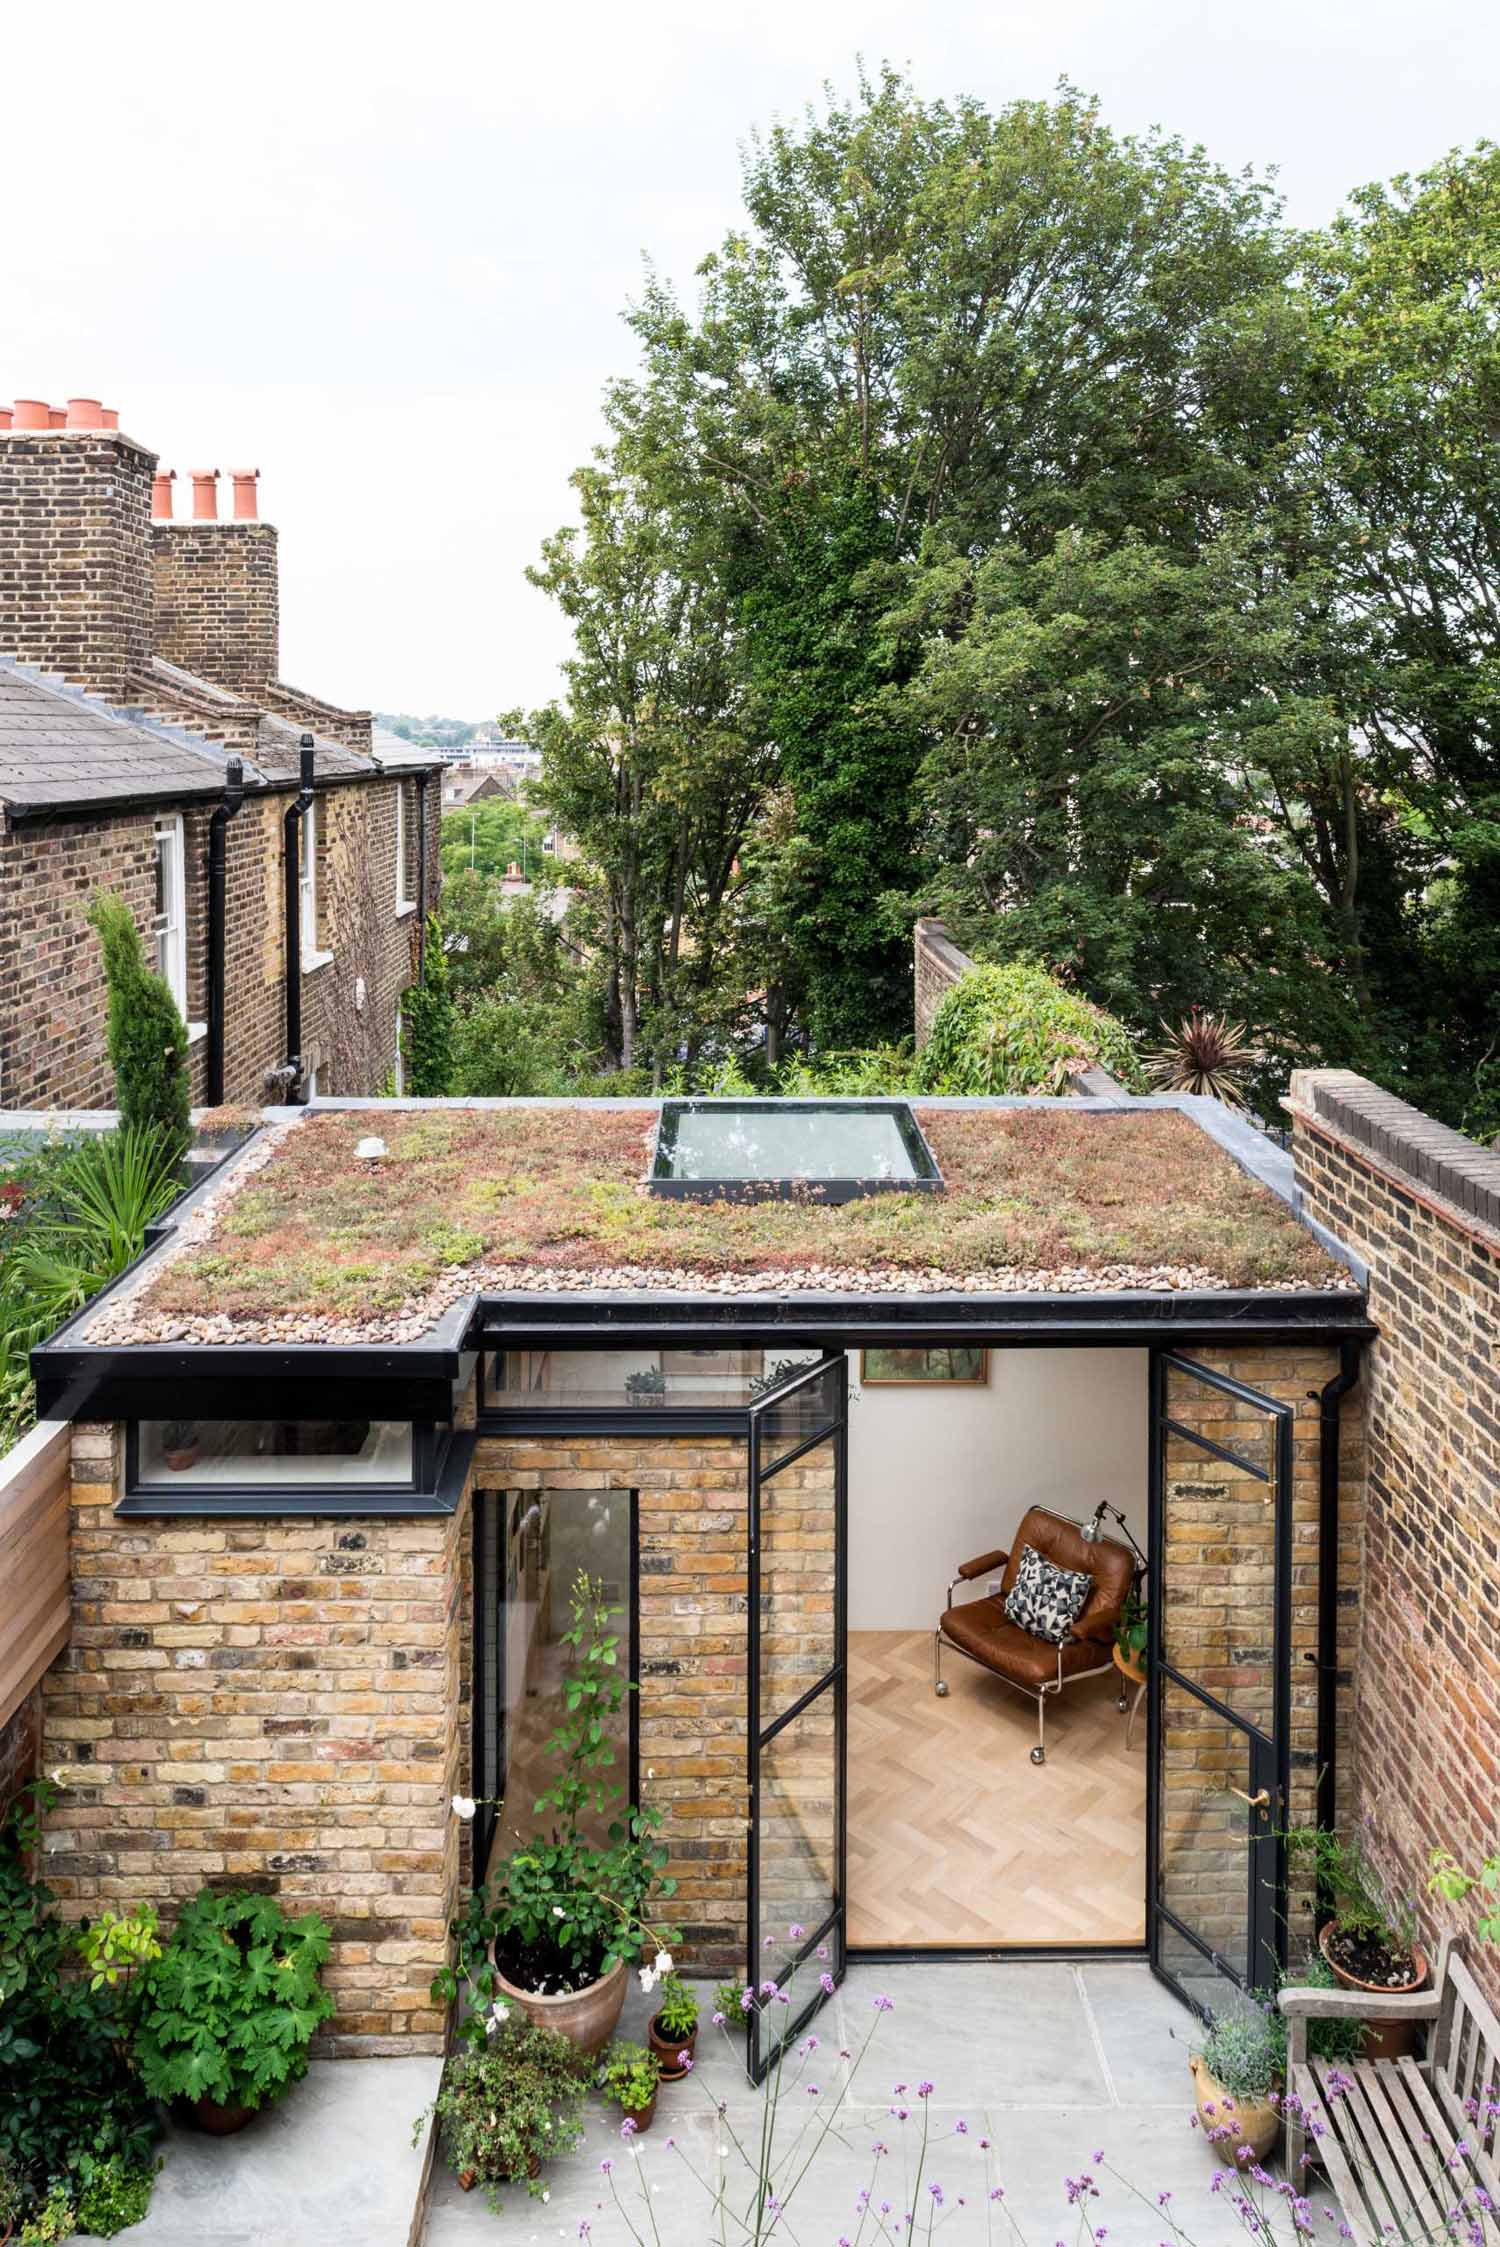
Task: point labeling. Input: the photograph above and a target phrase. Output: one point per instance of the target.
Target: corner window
(272, 1454)
(404, 898)
(637, 1380)
(169, 918)
(308, 884)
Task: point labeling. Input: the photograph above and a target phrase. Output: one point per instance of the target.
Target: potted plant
(1367, 1947)
(629, 2076)
(730, 2009)
(180, 1444)
(1237, 2078)
(1132, 1632)
(230, 2008)
(509, 2103)
(561, 1922)
(673, 2030)
(646, 1387)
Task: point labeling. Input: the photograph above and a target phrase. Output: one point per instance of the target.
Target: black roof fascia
(162, 799)
(68, 1381)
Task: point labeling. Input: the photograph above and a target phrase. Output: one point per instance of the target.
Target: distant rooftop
(304, 1240)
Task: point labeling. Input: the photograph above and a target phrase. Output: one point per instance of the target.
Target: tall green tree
(146, 1035)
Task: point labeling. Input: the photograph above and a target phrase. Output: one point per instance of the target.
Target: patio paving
(1051, 2063)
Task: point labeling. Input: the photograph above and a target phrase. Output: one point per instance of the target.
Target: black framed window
(354, 1465)
(529, 1548)
(704, 1379)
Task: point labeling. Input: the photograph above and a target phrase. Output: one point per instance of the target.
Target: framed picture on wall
(961, 1365)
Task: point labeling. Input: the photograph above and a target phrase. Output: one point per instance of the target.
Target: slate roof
(61, 749)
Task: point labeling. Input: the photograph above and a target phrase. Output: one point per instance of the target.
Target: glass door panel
(1220, 1649)
(795, 1917)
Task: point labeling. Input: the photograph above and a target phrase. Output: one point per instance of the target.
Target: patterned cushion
(1047, 1600)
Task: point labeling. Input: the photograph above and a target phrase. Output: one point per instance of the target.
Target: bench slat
(1340, 2176)
(1403, 2133)
(1364, 2142)
(1437, 2122)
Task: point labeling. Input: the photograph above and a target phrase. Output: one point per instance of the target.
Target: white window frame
(405, 902)
(169, 926)
(307, 887)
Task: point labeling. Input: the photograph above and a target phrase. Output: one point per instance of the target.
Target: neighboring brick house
(139, 656)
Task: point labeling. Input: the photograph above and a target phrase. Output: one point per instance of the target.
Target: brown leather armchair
(981, 1629)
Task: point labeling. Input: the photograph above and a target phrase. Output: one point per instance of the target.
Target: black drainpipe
(234, 796)
(422, 780)
(1329, 1398)
(291, 833)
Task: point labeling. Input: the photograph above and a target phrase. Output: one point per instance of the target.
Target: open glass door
(797, 1686)
(1220, 1654)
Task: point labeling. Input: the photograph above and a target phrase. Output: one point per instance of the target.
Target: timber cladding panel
(693, 1501)
(1421, 1206)
(272, 1704)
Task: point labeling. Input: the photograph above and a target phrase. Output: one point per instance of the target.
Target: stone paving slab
(331, 2165)
(1050, 2063)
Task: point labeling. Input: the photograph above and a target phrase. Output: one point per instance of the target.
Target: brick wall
(75, 584)
(939, 964)
(218, 601)
(272, 1704)
(20, 1738)
(1421, 1206)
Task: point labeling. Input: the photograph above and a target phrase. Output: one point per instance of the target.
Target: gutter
(291, 830)
(1329, 1398)
(234, 796)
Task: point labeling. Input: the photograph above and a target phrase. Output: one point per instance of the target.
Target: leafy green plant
(117, 1945)
(677, 2007)
(1134, 1628)
(12, 2198)
(1340, 2041)
(1244, 2054)
(1206, 1054)
(427, 1023)
(1451, 1881)
(52, 2220)
(729, 2009)
(147, 1038)
(629, 2074)
(1016, 1029)
(115, 2197)
(233, 2001)
(650, 1382)
(70, 2098)
(1345, 1878)
(511, 2103)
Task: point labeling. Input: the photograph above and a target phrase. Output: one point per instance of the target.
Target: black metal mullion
(1218, 1450)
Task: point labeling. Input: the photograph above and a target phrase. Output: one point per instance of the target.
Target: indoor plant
(673, 2031)
(1367, 1947)
(1237, 2083)
(230, 2007)
(647, 1387)
(509, 2103)
(179, 1444)
(560, 1923)
(629, 2076)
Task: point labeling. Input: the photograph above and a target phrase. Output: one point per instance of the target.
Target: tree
(491, 836)
(146, 1035)
(427, 1023)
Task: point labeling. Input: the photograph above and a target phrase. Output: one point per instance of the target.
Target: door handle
(1261, 1801)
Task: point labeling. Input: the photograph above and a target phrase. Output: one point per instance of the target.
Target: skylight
(732, 1150)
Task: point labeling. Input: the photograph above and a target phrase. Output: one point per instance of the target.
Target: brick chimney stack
(218, 602)
(75, 568)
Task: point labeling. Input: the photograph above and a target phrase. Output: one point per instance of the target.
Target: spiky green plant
(1206, 1053)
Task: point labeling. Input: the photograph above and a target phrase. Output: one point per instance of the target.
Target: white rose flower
(648, 1980)
(464, 1806)
(663, 1963)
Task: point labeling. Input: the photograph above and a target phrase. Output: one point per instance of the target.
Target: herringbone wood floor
(956, 1837)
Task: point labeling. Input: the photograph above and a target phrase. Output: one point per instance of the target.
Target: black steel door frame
(832, 1933)
(1270, 1757)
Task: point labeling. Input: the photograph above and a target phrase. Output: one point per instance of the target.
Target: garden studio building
(833, 1397)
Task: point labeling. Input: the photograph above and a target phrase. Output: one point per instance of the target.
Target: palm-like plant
(1206, 1053)
(99, 1200)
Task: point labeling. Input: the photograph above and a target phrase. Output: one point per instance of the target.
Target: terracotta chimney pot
(161, 494)
(84, 413)
(246, 506)
(57, 417)
(110, 417)
(33, 413)
(4, 417)
(205, 495)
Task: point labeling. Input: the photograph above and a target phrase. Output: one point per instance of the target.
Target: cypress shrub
(147, 1037)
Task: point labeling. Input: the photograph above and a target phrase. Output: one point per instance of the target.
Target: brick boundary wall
(939, 965)
(1420, 1205)
(20, 1738)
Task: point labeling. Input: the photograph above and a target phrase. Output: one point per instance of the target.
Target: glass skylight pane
(845, 1147)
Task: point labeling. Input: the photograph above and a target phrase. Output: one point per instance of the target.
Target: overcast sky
(381, 253)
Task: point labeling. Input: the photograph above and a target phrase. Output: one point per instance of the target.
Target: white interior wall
(937, 1475)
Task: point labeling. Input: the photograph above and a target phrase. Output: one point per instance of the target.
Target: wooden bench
(1410, 2146)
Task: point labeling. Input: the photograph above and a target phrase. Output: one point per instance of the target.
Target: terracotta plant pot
(587, 2017)
(642, 2117)
(218, 2121)
(1384, 2040)
(667, 2048)
(1255, 2122)
(180, 1461)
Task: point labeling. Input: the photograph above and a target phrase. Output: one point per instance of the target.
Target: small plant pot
(1384, 2040)
(1256, 2123)
(642, 2117)
(219, 2121)
(179, 1461)
(667, 2048)
(586, 2017)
